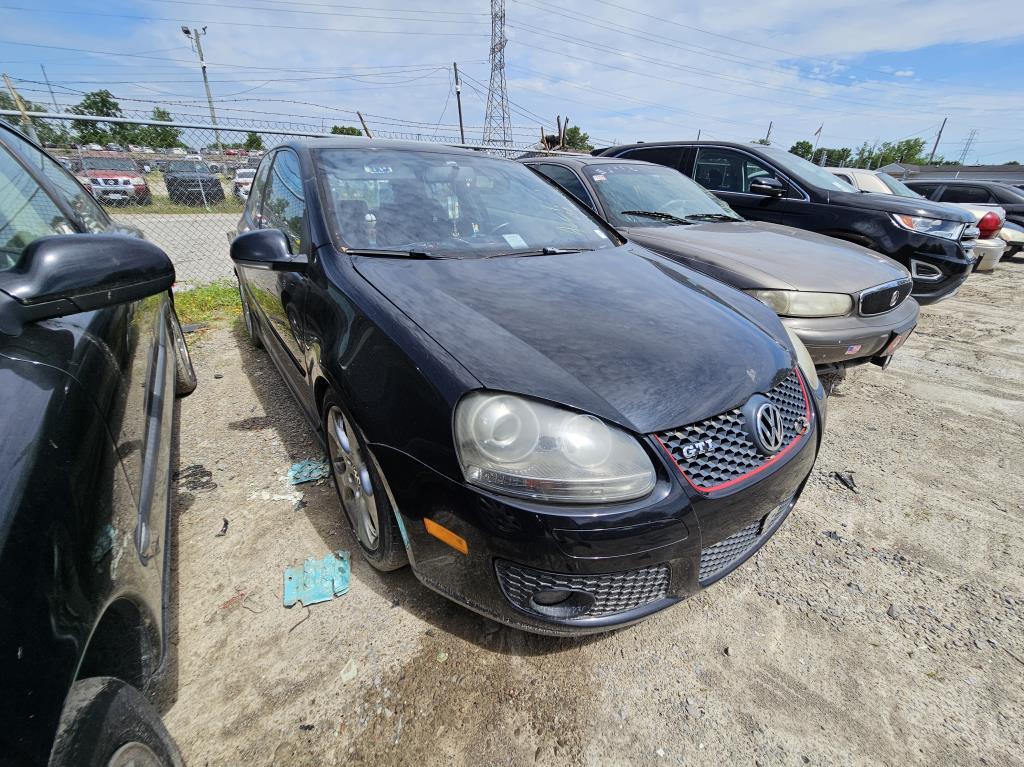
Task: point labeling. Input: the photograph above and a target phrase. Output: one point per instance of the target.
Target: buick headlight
(799, 303)
(519, 447)
(937, 227)
(803, 359)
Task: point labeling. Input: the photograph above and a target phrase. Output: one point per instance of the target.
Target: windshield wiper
(712, 217)
(390, 253)
(540, 252)
(655, 214)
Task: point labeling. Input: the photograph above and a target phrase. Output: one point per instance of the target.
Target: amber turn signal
(442, 533)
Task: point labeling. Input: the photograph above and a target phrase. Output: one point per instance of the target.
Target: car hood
(893, 203)
(111, 174)
(749, 254)
(189, 176)
(621, 333)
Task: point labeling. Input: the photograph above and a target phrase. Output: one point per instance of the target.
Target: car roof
(679, 142)
(583, 161)
(362, 142)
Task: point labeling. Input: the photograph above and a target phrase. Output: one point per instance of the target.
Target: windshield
(245, 174)
(187, 166)
(448, 204)
(630, 192)
(896, 187)
(109, 163)
(803, 169)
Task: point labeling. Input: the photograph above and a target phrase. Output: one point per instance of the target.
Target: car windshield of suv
(801, 168)
(897, 187)
(447, 204)
(653, 195)
(109, 163)
(187, 166)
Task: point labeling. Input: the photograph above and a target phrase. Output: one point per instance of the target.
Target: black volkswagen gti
(91, 357)
(765, 183)
(556, 428)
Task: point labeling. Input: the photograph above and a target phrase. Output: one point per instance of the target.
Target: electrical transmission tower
(497, 122)
(967, 144)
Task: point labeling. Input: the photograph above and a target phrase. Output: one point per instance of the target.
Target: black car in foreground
(192, 182)
(91, 357)
(1006, 196)
(555, 427)
(764, 183)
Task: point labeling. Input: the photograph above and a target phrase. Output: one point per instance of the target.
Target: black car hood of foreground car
(621, 333)
(753, 254)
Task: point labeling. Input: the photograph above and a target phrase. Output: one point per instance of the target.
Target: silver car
(848, 304)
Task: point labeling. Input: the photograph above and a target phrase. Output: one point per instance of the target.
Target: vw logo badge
(895, 298)
(769, 432)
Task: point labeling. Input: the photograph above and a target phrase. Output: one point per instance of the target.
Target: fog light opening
(561, 603)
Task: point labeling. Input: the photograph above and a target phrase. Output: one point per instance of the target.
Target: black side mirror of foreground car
(71, 273)
(267, 249)
(768, 186)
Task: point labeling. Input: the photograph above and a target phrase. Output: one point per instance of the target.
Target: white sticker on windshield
(514, 240)
(601, 234)
(377, 169)
(599, 177)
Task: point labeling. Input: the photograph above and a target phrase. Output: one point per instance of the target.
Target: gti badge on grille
(701, 447)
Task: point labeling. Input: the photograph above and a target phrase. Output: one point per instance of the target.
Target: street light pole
(195, 35)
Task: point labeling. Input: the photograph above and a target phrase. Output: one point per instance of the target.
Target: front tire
(185, 379)
(250, 325)
(107, 723)
(361, 491)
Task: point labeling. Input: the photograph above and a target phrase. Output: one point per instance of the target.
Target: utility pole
(195, 36)
(366, 128)
(937, 139)
(698, 134)
(768, 135)
(458, 101)
(50, 88)
(497, 120)
(30, 129)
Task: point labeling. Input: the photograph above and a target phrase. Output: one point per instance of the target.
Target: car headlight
(799, 303)
(519, 447)
(937, 227)
(803, 359)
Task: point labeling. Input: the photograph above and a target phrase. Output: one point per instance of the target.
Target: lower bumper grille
(717, 557)
(609, 592)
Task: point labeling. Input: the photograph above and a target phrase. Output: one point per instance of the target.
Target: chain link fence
(183, 185)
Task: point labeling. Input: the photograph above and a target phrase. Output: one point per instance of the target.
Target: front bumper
(120, 194)
(655, 551)
(852, 339)
(988, 252)
(939, 267)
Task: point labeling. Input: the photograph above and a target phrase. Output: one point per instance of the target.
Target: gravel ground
(196, 242)
(882, 626)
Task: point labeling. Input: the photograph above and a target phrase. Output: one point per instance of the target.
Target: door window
(252, 205)
(725, 170)
(966, 194)
(670, 156)
(90, 215)
(566, 179)
(845, 178)
(284, 207)
(26, 211)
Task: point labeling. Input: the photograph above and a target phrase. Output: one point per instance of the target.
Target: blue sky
(865, 70)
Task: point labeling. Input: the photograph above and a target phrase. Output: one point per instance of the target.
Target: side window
(965, 194)
(91, 217)
(566, 179)
(252, 205)
(26, 211)
(846, 178)
(720, 170)
(928, 190)
(284, 207)
(670, 156)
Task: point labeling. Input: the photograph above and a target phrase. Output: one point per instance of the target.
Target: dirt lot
(882, 626)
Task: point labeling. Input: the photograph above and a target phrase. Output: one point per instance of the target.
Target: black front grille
(611, 592)
(717, 557)
(733, 453)
(884, 298)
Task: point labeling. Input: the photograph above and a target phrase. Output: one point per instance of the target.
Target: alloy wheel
(134, 754)
(352, 477)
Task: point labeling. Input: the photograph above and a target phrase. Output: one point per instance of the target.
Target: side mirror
(767, 186)
(71, 273)
(266, 249)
